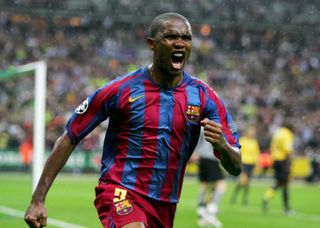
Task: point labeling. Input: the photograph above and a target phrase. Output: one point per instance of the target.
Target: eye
(171, 37)
(187, 37)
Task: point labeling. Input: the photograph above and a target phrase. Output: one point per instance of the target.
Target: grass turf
(71, 200)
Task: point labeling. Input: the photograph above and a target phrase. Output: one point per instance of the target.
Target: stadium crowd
(266, 76)
(272, 11)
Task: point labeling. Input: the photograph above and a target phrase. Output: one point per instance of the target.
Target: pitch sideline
(50, 221)
(276, 212)
(298, 215)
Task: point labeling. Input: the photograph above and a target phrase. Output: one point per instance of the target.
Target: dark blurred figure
(282, 146)
(212, 183)
(314, 156)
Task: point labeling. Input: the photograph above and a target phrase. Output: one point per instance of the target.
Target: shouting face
(172, 46)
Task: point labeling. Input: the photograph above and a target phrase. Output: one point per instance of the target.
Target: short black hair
(288, 124)
(157, 23)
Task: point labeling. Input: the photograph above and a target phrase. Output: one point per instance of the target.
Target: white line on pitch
(50, 221)
(296, 214)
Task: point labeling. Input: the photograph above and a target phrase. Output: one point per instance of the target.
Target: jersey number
(119, 195)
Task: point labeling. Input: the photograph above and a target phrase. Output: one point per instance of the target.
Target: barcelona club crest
(193, 113)
(123, 207)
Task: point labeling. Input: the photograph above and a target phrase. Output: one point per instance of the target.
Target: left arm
(230, 156)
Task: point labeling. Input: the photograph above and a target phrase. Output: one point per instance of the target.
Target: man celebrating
(155, 114)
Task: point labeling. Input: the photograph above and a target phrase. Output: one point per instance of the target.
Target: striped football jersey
(152, 131)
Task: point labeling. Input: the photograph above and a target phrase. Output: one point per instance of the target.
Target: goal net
(39, 69)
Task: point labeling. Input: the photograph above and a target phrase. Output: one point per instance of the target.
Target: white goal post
(40, 77)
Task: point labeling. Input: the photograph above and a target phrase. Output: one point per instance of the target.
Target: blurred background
(262, 57)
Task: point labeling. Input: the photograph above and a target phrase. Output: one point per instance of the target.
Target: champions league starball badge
(82, 108)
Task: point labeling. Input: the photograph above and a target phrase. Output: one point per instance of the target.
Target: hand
(36, 215)
(213, 133)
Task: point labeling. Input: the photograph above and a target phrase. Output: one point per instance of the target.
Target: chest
(155, 108)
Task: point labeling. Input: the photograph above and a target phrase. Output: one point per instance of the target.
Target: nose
(179, 43)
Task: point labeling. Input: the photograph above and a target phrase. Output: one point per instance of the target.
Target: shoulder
(207, 94)
(126, 79)
(194, 81)
(117, 84)
(288, 133)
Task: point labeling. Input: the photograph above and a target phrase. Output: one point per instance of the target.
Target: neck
(164, 79)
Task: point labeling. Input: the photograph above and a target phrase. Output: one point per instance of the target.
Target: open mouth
(177, 60)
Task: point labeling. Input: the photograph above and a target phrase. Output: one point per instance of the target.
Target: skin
(175, 36)
(229, 156)
(36, 215)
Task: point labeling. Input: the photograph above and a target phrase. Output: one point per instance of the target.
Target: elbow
(237, 166)
(232, 163)
(236, 171)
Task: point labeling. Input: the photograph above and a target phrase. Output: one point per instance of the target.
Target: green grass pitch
(70, 201)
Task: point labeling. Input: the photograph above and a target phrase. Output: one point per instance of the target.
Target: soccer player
(282, 145)
(155, 114)
(250, 151)
(212, 183)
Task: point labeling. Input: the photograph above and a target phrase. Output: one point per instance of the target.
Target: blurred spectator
(212, 183)
(265, 163)
(25, 150)
(250, 151)
(282, 146)
(4, 140)
(26, 146)
(314, 158)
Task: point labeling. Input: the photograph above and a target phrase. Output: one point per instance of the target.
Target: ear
(151, 43)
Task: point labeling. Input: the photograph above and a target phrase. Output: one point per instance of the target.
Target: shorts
(209, 170)
(247, 169)
(118, 206)
(281, 170)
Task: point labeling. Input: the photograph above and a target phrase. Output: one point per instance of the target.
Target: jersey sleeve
(88, 115)
(216, 110)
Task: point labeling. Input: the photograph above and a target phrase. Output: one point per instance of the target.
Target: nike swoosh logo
(131, 99)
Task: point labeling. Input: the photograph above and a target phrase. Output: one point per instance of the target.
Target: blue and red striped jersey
(152, 131)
